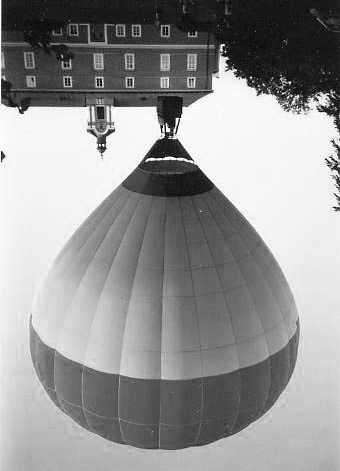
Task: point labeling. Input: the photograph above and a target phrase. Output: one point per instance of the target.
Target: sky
(270, 164)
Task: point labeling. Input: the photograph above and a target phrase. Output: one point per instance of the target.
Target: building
(113, 65)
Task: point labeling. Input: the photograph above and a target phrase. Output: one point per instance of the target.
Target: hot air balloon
(165, 322)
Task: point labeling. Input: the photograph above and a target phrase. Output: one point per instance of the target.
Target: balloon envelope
(165, 322)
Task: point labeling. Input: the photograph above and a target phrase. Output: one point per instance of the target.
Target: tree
(10, 97)
(332, 108)
(333, 162)
(280, 49)
(24, 105)
(38, 35)
(62, 52)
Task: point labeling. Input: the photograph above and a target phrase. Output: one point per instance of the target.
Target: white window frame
(122, 33)
(163, 28)
(31, 81)
(69, 28)
(63, 65)
(129, 60)
(98, 61)
(65, 79)
(165, 82)
(192, 34)
(57, 32)
(139, 31)
(165, 62)
(97, 83)
(29, 63)
(192, 62)
(127, 82)
(191, 82)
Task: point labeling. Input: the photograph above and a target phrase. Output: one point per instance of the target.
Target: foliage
(332, 108)
(333, 162)
(38, 35)
(62, 52)
(282, 50)
(10, 97)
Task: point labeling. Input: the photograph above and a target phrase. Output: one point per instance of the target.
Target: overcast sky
(270, 164)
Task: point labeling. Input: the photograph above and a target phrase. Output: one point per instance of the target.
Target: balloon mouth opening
(170, 158)
(168, 165)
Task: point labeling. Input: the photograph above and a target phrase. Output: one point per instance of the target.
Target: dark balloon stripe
(168, 178)
(294, 350)
(280, 372)
(163, 413)
(168, 184)
(52, 395)
(181, 402)
(255, 385)
(68, 379)
(214, 430)
(100, 391)
(138, 400)
(75, 412)
(43, 360)
(176, 437)
(106, 428)
(140, 435)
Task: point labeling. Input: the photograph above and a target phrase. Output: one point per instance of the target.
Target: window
(98, 61)
(67, 82)
(136, 31)
(100, 110)
(73, 29)
(191, 82)
(29, 60)
(165, 31)
(120, 31)
(192, 62)
(99, 82)
(2, 60)
(192, 34)
(99, 101)
(57, 32)
(165, 61)
(66, 65)
(129, 82)
(164, 82)
(31, 81)
(129, 61)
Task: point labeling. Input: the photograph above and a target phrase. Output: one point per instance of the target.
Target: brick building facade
(113, 65)
(131, 64)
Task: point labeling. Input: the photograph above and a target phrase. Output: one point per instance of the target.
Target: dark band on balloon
(168, 184)
(164, 414)
(158, 176)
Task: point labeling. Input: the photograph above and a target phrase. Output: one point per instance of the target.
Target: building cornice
(116, 90)
(121, 46)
